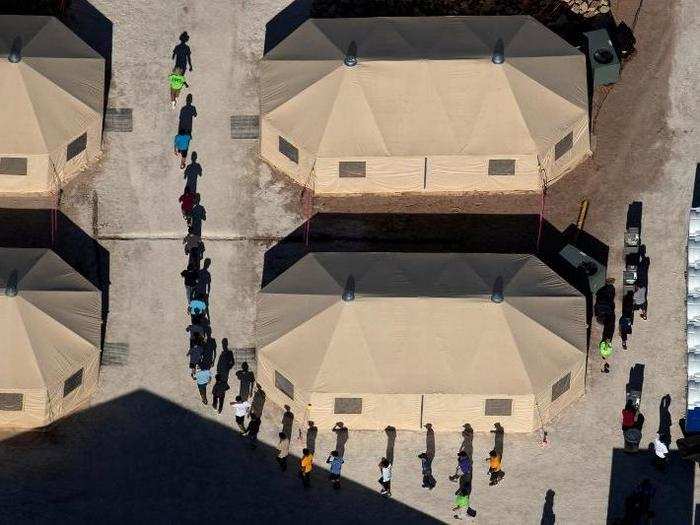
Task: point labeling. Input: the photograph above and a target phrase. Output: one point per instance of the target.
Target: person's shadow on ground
(247, 380)
(311, 434)
(429, 441)
(390, 442)
(665, 421)
(287, 421)
(467, 441)
(341, 437)
(548, 516)
(188, 113)
(182, 54)
(192, 172)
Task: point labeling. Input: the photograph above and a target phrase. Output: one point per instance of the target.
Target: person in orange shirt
(305, 467)
(494, 460)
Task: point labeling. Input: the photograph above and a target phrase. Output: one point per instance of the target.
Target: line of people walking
(202, 350)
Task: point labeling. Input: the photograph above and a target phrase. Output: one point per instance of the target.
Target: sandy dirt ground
(148, 450)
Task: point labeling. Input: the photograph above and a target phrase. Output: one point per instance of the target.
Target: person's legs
(253, 440)
(183, 158)
(203, 393)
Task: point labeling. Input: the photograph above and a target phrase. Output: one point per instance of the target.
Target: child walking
(177, 80)
(495, 467)
(385, 477)
(336, 464)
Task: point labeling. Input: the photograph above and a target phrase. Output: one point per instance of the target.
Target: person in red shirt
(186, 204)
(629, 416)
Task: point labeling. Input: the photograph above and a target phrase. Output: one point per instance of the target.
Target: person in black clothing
(195, 353)
(226, 360)
(219, 392)
(203, 286)
(427, 470)
(182, 53)
(190, 276)
(627, 317)
(253, 429)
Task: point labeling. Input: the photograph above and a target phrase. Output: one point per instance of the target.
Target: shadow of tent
(140, 458)
(96, 30)
(673, 501)
(285, 22)
(425, 232)
(42, 228)
(81, 17)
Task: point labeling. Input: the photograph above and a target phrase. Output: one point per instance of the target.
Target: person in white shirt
(660, 453)
(385, 478)
(240, 410)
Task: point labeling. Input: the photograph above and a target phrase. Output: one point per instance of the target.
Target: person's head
(217, 377)
(422, 455)
(177, 70)
(305, 452)
(461, 454)
(493, 454)
(239, 398)
(628, 405)
(282, 435)
(197, 198)
(253, 415)
(184, 37)
(334, 453)
(224, 343)
(207, 263)
(384, 462)
(642, 250)
(188, 99)
(193, 157)
(610, 280)
(244, 366)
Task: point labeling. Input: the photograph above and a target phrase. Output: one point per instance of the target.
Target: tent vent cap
(499, 55)
(349, 290)
(350, 59)
(497, 293)
(15, 54)
(11, 286)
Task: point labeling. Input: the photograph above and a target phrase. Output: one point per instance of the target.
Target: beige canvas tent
(50, 318)
(422, 341)
(424, 108)
(51, 87)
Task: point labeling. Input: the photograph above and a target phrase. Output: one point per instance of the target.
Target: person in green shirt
(461, 505)
(177, 80)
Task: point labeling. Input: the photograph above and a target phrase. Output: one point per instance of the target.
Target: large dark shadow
(450, 232)
(673, 499)
(143, 459)
(52, 229)
(285, 22)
